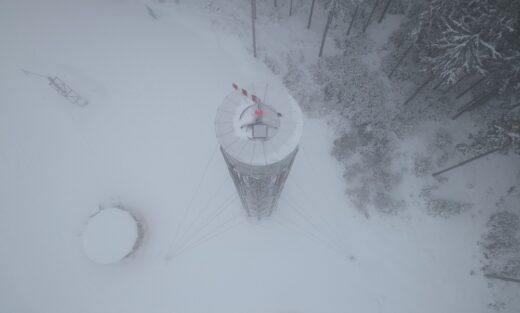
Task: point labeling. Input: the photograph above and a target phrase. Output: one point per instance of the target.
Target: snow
(147, 138)
(110, 236)
(380, 32)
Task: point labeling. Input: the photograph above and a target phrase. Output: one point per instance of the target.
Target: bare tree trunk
(438, 84)
(384, 11)
(475, 102)
(400, 60)
(480, 102)
(514, 280)
(371, 14)
(151, 12)
(470, 102)
(475, 84)
(352, 21)
(466, 161)
(418, 90)
(426, 107)
(310, 14)
(457, 82)
(329, 19)
(290, 8)
(253, 11)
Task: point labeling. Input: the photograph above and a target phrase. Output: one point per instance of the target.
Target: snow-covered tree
(460, 37)
(503, 133)
(501, 245)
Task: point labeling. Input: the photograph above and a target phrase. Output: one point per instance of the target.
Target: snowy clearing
(146, 139)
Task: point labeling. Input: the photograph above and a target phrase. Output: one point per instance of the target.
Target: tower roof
(258, 133)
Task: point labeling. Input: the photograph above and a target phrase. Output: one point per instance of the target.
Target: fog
(403, 195)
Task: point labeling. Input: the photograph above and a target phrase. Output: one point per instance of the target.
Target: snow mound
(110, 236)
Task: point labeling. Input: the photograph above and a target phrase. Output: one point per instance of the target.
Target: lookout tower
(259, 142)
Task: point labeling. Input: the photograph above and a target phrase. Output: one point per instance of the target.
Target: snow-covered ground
(146, 141)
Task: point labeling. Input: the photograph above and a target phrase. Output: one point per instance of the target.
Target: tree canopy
(460, 37)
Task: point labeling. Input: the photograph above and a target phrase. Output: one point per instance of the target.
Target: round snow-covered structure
(111, 235)
(259, 142)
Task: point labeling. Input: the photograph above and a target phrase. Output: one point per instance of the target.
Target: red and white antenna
(244, 92)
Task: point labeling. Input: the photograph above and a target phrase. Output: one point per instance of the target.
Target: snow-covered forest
(404, 195)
